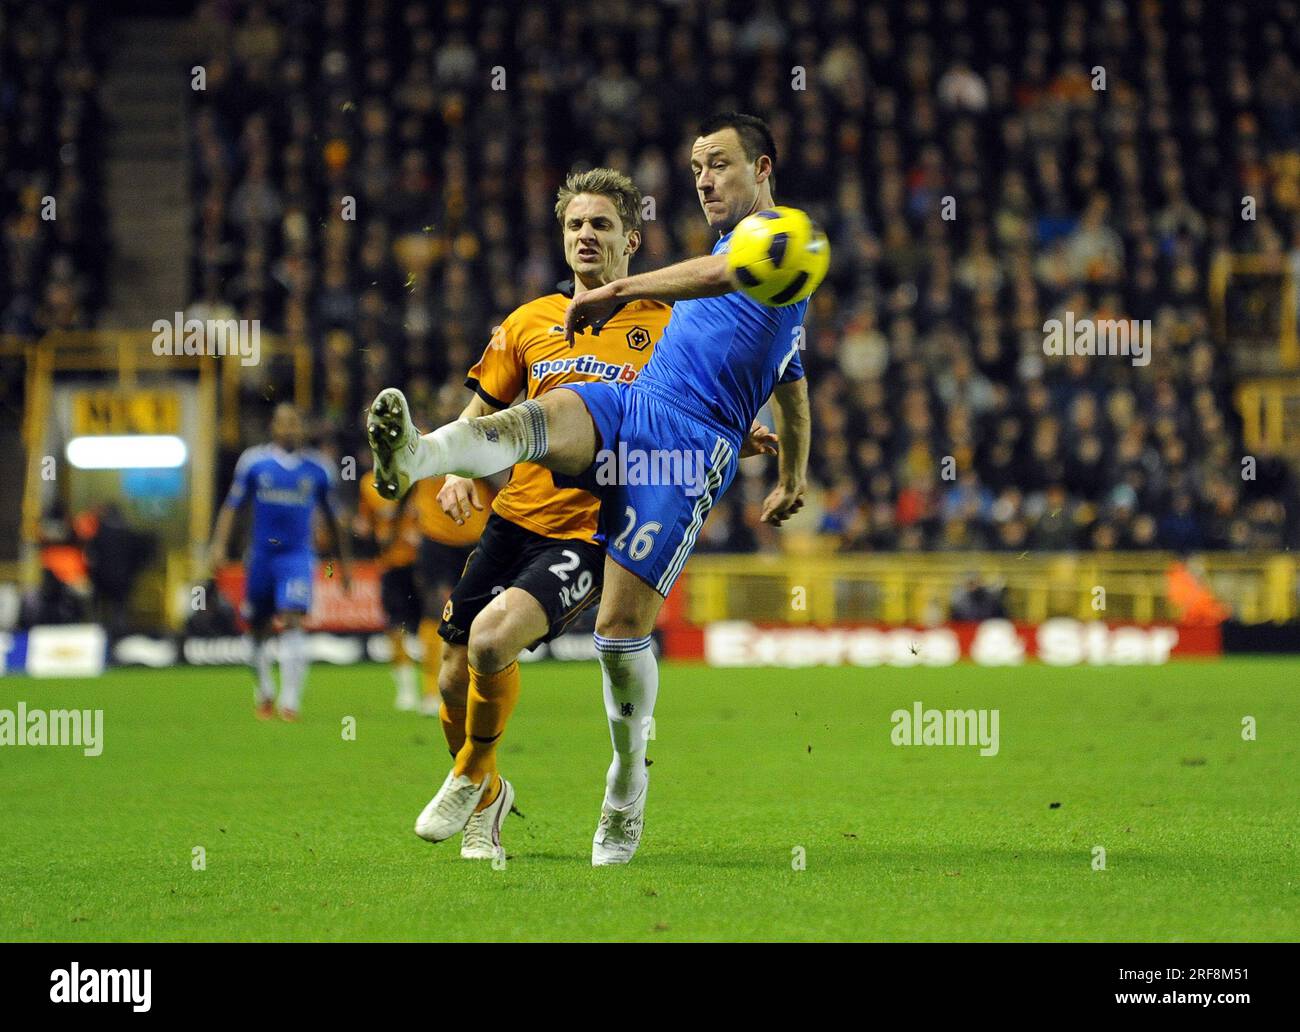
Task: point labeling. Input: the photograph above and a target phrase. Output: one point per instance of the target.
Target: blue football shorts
(278, 582)
(658, 471)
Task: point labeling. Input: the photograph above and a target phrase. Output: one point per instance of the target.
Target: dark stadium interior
(926, 340)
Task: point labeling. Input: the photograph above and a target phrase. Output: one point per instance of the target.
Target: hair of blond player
(603, 182)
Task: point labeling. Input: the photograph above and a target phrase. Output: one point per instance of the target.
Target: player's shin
(432, 665)
(453, 726)
(482, 446)
(630, 677)
(293, 669)
(404, 674)
(492, 699)
(264, 691)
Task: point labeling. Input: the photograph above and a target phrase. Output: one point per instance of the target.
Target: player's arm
(219, 548)
(709, 276)
(458, 497)
(793, 418)
(478, 407)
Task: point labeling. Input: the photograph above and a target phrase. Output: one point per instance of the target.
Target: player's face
(595, 245)
(286, 428)
(726, 181)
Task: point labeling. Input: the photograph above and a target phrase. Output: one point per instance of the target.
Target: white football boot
(393, 439)
(482, 839)
(619, 831)
(450, 810)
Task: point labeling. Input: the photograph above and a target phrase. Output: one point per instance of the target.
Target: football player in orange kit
(539, 562)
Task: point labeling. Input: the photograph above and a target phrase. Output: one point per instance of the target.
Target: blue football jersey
(286, 487)
(720, 357)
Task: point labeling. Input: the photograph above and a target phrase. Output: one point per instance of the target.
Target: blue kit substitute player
(722, 356)
(286, 485)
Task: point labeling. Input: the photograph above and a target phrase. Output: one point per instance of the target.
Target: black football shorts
(565, 577)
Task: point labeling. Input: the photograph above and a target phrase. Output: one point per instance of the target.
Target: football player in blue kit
(286, 486)
(722, 356)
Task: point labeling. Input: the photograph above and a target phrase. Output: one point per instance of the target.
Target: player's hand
(783, 502)
(459, 498)
(761, 441)
(588, 308)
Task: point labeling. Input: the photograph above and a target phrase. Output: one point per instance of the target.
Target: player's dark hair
(755, 134)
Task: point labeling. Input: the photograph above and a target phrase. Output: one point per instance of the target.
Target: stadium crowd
(974, 174)
(52, 256)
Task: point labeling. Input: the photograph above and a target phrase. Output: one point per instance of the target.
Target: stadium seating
(975, 178)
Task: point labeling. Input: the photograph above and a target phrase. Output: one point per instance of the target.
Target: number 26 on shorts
(643, 541)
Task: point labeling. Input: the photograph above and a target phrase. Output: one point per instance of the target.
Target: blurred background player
(445, 546)
(391, 527)
(286, 486)
(421, 553)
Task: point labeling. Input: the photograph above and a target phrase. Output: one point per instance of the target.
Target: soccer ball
(779, 256)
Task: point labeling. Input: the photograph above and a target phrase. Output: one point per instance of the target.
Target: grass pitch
(307, 835)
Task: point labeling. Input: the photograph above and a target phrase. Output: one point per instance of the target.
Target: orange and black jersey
(528, 354)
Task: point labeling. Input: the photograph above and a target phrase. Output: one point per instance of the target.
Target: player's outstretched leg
(468, 447)
(554, 430)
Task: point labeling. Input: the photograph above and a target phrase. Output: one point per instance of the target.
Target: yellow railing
(907, 588)
(1226, 267)
(1270, 413)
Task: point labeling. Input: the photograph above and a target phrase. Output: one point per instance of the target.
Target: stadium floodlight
(127, 451)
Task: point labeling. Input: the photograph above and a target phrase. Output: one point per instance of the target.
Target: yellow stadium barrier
(917, 588)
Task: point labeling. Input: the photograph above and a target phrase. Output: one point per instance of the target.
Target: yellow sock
(492, 699)
(397, 635)
(432, 656)
(453, 726)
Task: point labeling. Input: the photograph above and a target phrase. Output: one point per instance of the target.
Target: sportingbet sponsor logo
(921, 726)
(96, 985)
(214, 338)
(656, 467)
(585, 365)
(80, 728)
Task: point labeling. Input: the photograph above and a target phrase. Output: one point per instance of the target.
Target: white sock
(293, 667)
(630, 675)
(264, 689)
(407, 689)
(482, 446)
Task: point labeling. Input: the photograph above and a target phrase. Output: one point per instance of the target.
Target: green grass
(308, 836)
